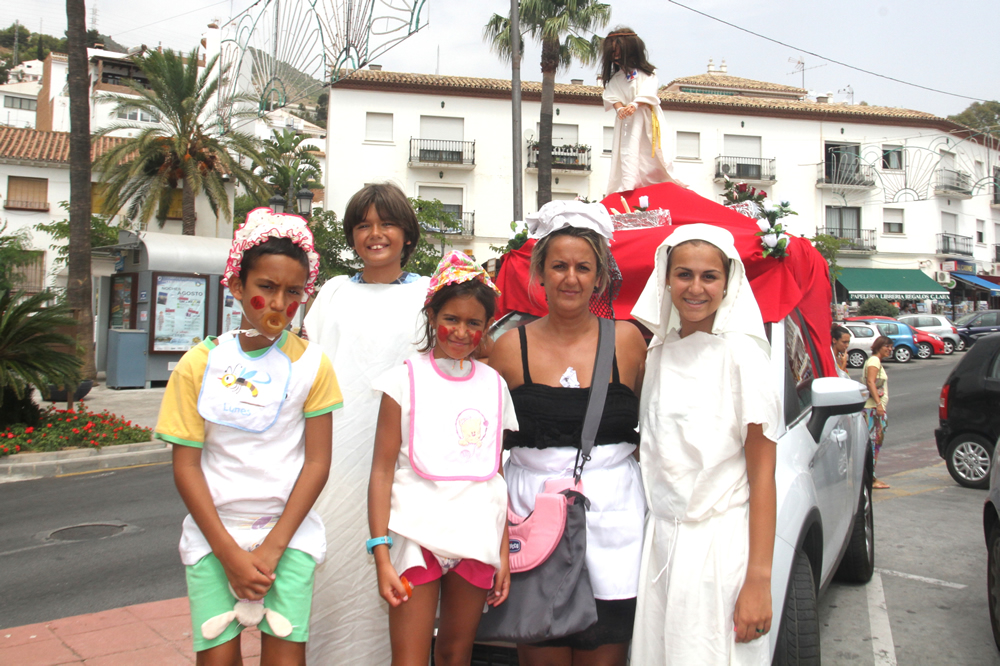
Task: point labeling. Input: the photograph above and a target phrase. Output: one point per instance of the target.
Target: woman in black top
(548, 366)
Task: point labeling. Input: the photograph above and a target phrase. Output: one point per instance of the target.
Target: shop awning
(977, 282)
(174, 253)
(892, 284)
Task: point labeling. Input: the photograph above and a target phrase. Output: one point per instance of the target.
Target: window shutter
(378, 126)
(689, 145)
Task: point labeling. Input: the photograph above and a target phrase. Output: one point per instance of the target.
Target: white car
(937, 325)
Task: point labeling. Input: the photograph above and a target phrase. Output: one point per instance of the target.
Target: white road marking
(922, 579)
(878, 619)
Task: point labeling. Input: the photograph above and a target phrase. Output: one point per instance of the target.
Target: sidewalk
(153, 634)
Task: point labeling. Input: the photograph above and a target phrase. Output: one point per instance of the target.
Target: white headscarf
(738, 312)
(557, 215)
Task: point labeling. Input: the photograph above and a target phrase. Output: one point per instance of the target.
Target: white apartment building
(907, 189)
(18, 101)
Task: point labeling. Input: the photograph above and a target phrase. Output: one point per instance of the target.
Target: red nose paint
(257, 302)
(443, 332)
(292, 309)
(477, 338)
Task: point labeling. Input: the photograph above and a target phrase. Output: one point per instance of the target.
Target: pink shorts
(474, 571)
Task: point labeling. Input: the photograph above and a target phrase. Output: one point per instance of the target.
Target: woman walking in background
(878, 397)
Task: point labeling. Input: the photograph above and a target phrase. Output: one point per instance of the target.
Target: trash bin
(127, 351)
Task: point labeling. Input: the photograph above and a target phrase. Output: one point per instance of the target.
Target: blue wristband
(378, 541)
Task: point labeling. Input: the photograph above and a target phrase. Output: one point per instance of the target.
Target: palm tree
(289, 166)
(184, 147)
(560, 26)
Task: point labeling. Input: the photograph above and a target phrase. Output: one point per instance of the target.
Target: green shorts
(290, 595)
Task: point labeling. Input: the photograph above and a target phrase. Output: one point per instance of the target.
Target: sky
(943, 46)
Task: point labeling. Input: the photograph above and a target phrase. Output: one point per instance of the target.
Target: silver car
(940, 326)
(862, 337)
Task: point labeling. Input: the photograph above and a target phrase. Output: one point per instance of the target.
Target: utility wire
(817, 55)
(170, 18)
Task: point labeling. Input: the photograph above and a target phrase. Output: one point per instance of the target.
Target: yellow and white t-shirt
(250, 475)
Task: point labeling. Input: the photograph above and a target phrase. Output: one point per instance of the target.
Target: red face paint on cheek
(443, 332)
(292, 309)
(257, 302)
(477, 338)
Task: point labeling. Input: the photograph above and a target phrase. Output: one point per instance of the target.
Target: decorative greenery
(518, 239)
(72, 428)
(142, 173)
(28, 343)
(14, 253)
(102, 232)
(754, 203)
(829, 246)
(288, 166)
(877, 307)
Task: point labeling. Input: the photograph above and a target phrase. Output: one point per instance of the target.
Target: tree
(185, 147)
(877, 307)
(102, 232)
(79, 290)
(982, 116)
(289, 166)
(13, 254)
(560, 26)
(321, 109)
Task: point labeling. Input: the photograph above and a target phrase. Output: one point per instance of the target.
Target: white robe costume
(634, 161)
(365, 329)
(698, 397)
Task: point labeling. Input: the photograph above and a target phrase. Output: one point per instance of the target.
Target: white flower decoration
(763, 224)
(770, 240)
(644, 201)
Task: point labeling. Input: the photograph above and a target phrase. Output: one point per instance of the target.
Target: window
(892, 220)
(378, 126)
(450, 197)
(735, 145)
(689, 145)
(136, 114)
(176, 211)
(562, 134)
(22, 103)
(892, 158)
(798, 369)
(843, 222)
(30, 276)
(442, 129)
(981, 231)
(27, 193)
(949, 223)
(609, 139)
(988, 319)
(97, 192)
(888, 330)
(861, 332)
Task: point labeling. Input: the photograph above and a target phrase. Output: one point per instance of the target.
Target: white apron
(365, 329)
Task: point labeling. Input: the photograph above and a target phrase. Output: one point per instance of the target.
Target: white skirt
(613, 484)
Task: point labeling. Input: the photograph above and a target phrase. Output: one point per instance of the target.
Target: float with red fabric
(800, 281)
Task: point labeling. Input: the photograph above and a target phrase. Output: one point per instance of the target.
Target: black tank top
(553, 415)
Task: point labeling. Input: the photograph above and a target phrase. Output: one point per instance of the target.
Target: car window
(798, 370)
(988, 319)
(968, 319)
(888, 329)
(995, 368)
(861, 331)
(912, 321)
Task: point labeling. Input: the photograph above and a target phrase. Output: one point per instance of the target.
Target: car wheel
(798, 638)
(969, 461)
(858, 564)
(993, 579)
(924, 350)
(902, 354)
(856, 358)
(961, 344)
(949, 347)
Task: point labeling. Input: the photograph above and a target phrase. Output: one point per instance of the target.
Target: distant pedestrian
(878, 398)
(248, 414)
(841, 340)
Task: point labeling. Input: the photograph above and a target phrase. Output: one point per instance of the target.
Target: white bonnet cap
(557, 215)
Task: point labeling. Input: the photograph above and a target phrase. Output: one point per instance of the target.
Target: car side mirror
(833, 396)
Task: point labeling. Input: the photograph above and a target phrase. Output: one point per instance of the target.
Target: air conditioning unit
(942, 276)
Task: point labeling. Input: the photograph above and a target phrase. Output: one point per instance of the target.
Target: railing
(950, 180)
(996, 254)
(954, 244)
(575, 158)
(466, 225)
(439, 151)
(745, 168)
(845, 172)
(14, 204)
(855, 239)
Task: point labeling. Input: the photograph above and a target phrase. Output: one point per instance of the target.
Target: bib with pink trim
(455, 426)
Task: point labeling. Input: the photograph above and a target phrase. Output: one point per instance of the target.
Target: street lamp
(277, 204)
(305, 200)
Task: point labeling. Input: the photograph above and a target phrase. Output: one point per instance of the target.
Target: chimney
(375, 68)
(711, 66)
(576, 82)
(723, 68)
(823, 99)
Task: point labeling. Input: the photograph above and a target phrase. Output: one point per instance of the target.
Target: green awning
(892, 284)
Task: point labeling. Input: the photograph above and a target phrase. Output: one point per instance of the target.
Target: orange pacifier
(272, 325)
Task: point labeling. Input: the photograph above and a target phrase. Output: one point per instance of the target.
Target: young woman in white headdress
(709, 420)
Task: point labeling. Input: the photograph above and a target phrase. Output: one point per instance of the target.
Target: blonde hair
(597, 244)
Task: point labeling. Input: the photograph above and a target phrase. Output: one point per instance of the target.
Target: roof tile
(716, 80)
(18, 143)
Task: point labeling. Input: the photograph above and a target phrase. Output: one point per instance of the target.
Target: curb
(25, 466)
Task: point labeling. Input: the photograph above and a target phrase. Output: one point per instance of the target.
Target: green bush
(72, 428)
(15, 410)
(877, 307)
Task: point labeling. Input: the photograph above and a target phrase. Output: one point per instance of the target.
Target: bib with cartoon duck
(455, 429)
(242, 391)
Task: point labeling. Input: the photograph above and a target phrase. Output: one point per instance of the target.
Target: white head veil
(738, 312)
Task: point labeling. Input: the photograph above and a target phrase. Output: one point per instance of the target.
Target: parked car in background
(991, 529)
(860, 347)
(969, 414)
(977, 324)
(928, 344)
(938, 325)
(904, 340)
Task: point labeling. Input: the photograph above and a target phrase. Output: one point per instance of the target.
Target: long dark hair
(632, 56)
(486, 297)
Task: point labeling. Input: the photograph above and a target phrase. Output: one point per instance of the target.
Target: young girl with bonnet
(631, 89)
(437, 503)
(709, 422)
(248, 414)
(366, 323)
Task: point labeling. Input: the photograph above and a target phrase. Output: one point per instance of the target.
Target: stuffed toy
(249, 614)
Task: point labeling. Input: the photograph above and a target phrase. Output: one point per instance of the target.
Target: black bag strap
(598, 392)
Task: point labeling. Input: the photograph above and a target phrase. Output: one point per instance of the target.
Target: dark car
(969, 414)
(975, 325)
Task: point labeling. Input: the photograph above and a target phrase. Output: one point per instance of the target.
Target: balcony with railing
(465, 225)
(953, 184)
(14, 204)
(844, 174)
(854, 240)
(754, 169)
(565, 159)
(954, 244)
(441, 154)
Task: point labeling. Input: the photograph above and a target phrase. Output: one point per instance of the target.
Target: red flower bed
(72, 428)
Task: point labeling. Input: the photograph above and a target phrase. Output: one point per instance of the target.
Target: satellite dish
(528, 135)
